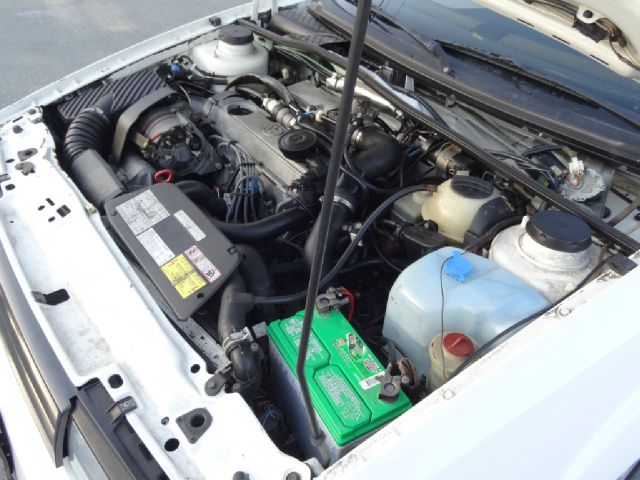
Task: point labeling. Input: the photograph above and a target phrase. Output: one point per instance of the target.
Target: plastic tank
(234, 53)
(481, 299)
(455, 203)
(552, 252)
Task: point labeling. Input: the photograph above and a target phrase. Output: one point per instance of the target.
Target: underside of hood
(604, 30)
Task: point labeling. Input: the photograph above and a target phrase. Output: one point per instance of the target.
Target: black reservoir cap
(297, 144)
(235, 35)
(471, 187)
(559, 231)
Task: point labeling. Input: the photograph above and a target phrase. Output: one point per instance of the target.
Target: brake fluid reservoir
(552, 252)
(455, 203)
(481, 299)
(233, 53)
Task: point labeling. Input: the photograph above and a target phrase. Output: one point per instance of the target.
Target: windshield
(464, 22)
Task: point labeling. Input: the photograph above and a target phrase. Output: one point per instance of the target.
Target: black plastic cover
(297, 144)
(487, 216)
(235, 35)
(179, 248)
(559, 231)
(471, 187)
(126, 91)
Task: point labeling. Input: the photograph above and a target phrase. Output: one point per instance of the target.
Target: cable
(483, 349)
(292, 297)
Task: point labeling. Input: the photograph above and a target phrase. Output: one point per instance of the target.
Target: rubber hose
(232, 319)
(275, 85)
(255, 273)
(253, 270)
(377, 152)
(339, 218)
(90, 129)
(265, 229)
(204, 197)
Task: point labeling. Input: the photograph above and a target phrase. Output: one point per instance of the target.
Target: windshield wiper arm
(433, 47)
(513, 66)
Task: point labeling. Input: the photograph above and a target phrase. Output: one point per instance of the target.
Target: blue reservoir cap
(175, 68)
(458, 267)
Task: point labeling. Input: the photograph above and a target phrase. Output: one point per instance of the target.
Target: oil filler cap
(559, 231)
(297, 144)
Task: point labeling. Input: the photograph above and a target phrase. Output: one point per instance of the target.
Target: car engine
(208, 169)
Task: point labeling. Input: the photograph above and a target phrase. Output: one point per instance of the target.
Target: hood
(605, 30)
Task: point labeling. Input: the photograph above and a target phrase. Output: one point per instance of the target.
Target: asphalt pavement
(44, 40)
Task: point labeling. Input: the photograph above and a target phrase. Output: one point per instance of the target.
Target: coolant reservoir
(455, 204)
(552, 252)
(481, 299)
(233, 53)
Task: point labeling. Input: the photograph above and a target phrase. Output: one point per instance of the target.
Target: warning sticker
(142, 212)
(183, 276)
(155, 246)
(371, 382)
(203, 264)
(190, 225)
(344, 401)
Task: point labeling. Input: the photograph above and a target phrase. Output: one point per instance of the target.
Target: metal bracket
(215, 384)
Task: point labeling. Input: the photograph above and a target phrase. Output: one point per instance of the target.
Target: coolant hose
(265, 229)
(91, 129)
(272, 83)
(203, 196)
(231, 323)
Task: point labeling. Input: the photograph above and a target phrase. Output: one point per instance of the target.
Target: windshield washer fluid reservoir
(481, 301)
(233, 53)
(455, 203)
(552, 252)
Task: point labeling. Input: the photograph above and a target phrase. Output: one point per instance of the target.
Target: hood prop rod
(337, 152)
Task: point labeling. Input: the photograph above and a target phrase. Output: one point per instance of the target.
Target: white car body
(557, 400)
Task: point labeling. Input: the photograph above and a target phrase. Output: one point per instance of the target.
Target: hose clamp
(345, 202)
(236, 339)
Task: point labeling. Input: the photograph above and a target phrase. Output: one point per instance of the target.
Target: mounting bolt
(164, 421)
(587, 14)
(448, 394)
(564, 311)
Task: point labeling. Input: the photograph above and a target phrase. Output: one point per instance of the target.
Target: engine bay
(208, 170)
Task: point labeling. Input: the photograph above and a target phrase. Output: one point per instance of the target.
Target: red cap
(458, 344)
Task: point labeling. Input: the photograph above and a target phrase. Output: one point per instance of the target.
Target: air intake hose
(376, 154)
(91, 129)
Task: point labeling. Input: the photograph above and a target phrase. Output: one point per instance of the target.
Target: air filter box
(179, 248)
(344, 380)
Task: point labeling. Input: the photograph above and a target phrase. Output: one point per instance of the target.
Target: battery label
(346, 404)
(183, 276)
(142, 212)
